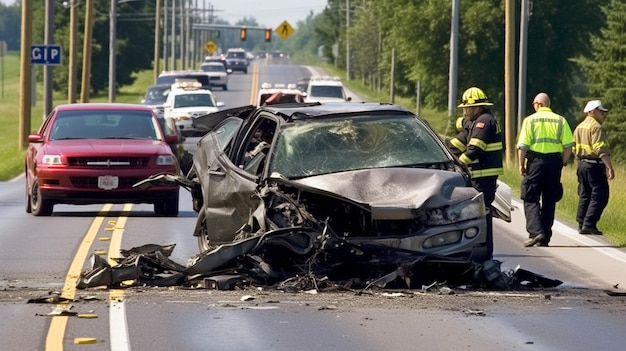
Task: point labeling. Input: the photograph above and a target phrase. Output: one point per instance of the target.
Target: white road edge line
(573, 234)
(118, 324)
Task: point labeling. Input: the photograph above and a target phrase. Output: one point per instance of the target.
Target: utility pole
(25, 72)
(112, 50)
(157, 40)
(509, 83)
(347, 40)
(173, 35)
(47, 69)
(523, 50)
(453, 69)
(86, 76)
(71, 77)
(166, 61)
(181, 38)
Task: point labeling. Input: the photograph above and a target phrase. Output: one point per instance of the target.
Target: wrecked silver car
(368, 173)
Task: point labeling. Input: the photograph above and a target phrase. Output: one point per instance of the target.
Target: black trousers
(593, 193)
(541, 189)
(487, 185)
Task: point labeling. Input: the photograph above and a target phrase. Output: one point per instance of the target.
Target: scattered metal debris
(301, 260)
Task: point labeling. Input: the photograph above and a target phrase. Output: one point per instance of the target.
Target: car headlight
(461, 211)
(165, 160)
(51, 160)
(442, 239)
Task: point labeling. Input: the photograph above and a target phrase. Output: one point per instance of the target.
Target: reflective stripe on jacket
(590, 139)
(483, 154)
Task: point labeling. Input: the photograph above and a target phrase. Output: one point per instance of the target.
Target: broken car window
(328, 146)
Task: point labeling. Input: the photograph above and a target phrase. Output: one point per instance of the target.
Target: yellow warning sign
(210, 47)
(284, 30)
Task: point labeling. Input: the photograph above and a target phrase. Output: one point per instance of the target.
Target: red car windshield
(104, 125)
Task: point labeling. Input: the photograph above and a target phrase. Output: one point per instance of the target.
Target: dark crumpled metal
(296, 259)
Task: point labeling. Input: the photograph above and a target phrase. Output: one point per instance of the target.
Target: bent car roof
(331, 108)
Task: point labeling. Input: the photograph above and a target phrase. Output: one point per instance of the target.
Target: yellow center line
(58, 324)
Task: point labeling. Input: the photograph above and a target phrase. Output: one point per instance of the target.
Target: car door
(228, 191)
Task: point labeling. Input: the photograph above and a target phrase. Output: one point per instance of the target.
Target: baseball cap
(594, 104)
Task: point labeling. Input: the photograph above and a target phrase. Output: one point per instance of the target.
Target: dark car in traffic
(237, 60)
(93, 153)
(369, 174)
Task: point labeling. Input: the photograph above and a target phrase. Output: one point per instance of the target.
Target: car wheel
(245, 71)
(186, 162)
(203, 237)
(38, 205)
(28, 208)
(167, 207)
(225, 87)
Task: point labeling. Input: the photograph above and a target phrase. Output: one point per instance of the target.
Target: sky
(269, 13)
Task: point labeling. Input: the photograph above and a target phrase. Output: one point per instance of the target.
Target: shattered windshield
(329, 146)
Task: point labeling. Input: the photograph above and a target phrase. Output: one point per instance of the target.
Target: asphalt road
(38, 255)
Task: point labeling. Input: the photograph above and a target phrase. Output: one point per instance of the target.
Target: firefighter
(594, 168)
(479, 145)
(544, 146)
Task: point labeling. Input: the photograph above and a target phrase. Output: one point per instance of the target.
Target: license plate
(108, 182)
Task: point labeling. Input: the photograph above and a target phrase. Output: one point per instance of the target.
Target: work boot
(590, 230)
(534, 240)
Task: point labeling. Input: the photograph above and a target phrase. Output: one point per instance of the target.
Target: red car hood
(86, 147)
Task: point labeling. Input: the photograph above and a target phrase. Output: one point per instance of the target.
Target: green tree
(605, 72)
(135, 41)
(10, 19)
(559, 31)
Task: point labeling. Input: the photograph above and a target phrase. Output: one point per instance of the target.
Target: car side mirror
(35, 138)
(219, 104)
(349, 98)
(173, 139)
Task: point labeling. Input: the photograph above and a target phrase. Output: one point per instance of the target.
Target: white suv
(325, 89)
(187, 101)
(218, 74)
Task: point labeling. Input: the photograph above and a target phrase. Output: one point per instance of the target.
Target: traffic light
(242, 34)
(268, 34)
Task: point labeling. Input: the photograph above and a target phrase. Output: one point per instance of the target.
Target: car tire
(186, 162)
(27, 192)
(225, 87)
(245, 71)
(167, 207)
(204, 243)
(38, 205)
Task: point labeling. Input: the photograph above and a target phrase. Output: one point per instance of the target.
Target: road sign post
(45, 54)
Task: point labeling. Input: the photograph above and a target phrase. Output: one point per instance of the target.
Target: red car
(93, 153)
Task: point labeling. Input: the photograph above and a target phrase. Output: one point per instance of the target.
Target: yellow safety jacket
(590, 140)
(545, 132)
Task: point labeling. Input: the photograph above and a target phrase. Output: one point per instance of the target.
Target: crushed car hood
(394, 191)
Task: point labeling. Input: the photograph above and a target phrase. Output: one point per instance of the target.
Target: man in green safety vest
(544, 146)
